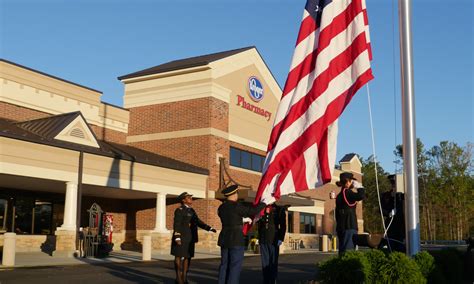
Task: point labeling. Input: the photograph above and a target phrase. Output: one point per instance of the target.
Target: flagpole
(410, 170)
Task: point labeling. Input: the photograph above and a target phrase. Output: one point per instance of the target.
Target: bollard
(325, 243)
(146, 248)
(9, 243)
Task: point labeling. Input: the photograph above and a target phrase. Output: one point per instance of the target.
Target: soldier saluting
(231, 238)
(185, 236)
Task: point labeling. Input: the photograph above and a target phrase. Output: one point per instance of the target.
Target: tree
(372, 218)
(446, 189)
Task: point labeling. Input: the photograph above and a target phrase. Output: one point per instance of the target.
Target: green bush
(352, 267)
(376, 259)
(425, 262)
(400, 269)
(374, 266)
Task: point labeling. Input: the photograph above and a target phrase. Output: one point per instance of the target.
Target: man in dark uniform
(392, 209)
(231, 238)
(271, 233)
(346, 203)
(185, 235)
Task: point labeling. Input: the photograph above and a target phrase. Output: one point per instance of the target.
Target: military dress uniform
(271, 233)
(185, 227)
(231, 238)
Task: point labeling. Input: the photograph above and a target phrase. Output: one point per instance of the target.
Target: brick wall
(18, 113)
(218, 147)
(108, 134)
(191, 150)
(175, 116)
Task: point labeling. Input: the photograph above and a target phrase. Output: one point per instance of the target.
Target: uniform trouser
(346, 240)
(231, 265)
(269, 255)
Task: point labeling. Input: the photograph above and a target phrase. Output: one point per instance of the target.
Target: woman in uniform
(185, 236)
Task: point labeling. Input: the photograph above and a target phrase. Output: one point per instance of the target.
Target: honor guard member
(185, 235)
(346, 203)
(231, 238)
(271, 234)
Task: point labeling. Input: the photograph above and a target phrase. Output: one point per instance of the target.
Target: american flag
(330, 63)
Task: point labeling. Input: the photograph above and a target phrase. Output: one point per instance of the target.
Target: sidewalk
(38, 259)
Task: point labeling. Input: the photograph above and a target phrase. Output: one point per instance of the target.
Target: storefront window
(3, 215)
(307, 223)
(23, 215)
(24, 212)
(43, 217)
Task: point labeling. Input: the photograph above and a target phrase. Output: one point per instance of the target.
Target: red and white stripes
(330, 63)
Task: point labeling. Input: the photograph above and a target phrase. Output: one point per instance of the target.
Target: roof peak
(188, 62)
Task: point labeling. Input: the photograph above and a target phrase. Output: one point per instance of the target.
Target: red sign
(248, 106)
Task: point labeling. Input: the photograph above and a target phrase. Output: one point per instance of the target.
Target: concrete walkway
(38, 259)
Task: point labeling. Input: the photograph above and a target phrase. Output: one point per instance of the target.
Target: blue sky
(94, 42)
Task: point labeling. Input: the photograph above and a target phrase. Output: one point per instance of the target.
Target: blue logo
(255, 89)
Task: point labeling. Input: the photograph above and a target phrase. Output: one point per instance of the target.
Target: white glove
(247, 220)
(392, 213)
(356, 184)
(279, 242)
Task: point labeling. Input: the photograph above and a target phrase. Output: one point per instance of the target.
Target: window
(290, 222)
(23, 215)
(246, 160)
(3, 214)
(42, 218)
(307, 223)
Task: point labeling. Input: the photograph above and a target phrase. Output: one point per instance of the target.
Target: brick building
(187, 125)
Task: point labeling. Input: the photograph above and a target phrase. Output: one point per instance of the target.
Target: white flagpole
(412, 220)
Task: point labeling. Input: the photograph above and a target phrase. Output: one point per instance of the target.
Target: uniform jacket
(272, 225)
(186, 223)
(231, 214)
(346, 202)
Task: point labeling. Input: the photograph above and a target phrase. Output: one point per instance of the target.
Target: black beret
(230, 190)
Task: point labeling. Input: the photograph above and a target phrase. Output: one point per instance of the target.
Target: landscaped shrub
(376, 259)
(352, 267)
(425, 262)
(400, 269)
(374, 266)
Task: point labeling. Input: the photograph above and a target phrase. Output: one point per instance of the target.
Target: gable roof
(348, 157)
(185, 63)
(49, 127)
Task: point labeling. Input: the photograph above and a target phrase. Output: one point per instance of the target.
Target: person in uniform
(346, 203)
(271, 233)
(231, 238)
(393, 211)
(185, 236)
